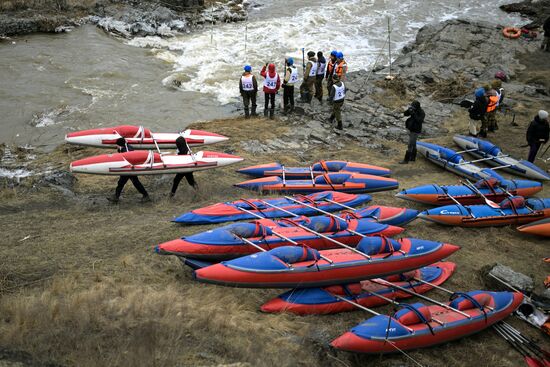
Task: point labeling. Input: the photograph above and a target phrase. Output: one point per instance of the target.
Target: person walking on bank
(477, 113)
(341, 66)
(337, 96)
(307, 88)
(123, 147)
(291, 77)
(248, 85)
(537, 134)
(321, 66)
(545, 46)
(414, 125)
(182, 149)
(272, 83)
(330, 71)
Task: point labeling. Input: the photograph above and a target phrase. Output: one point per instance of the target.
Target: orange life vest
(330, 67)
(493, 103)
(340, 68)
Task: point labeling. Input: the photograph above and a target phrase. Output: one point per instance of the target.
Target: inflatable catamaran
(140, 138)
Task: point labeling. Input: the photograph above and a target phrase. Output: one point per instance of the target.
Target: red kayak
(321, 301)
(540, 228)
(301, 267)
(419, 326)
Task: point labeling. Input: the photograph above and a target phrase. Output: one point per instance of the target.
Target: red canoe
(540, 227)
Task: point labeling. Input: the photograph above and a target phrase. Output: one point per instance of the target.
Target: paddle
(491, 203)
(530, 361)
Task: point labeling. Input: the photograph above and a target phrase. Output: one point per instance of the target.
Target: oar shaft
(355, 304)
(326, 213)
(433, 285)
(422, 297)
(339, 204)
(320, 234)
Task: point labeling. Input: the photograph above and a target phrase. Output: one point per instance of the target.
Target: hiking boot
(412, 158)
(407, 158)
(113, 199)
(146, 199)
(171, 194)
(271, 113)
(339, 126)
(265, 112)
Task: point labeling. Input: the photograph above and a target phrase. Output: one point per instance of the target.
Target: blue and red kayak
(414, 326)
(515, 210)
(316, 169)
(383, 214)
(493, 189)
(343, 182)
(302, 267)
(494, 156)
(232, 211)
(227, 242)
(454, 161)
(321, 301)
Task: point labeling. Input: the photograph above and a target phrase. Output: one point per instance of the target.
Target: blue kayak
(493, 154)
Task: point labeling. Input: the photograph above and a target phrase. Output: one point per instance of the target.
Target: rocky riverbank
(125, 18)
(80, 284)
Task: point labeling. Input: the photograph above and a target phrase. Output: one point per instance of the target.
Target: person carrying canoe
(248, 86)
(321, 66)
(272, 83)
(477, 112)
(336, 97)
(291, 77)
(123, 147)
(414, 125)
(537, 134)
(182, 149)
(330, 71)
(307, 88)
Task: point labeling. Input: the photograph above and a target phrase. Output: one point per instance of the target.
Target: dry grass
(85, 288)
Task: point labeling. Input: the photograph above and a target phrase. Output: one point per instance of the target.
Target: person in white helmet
(537, 134)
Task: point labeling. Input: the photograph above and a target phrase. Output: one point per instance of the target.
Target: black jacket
(546, 27)
(538, 130)
(479, 108)
(416, 119)
(126, 148)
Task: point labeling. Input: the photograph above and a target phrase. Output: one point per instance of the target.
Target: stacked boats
(146, 161)
(337, 262)
(491, 200)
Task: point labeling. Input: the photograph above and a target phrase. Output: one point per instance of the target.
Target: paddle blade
(532, 362)
(492, 204)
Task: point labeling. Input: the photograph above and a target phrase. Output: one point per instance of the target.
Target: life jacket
(493, 103)
(313, 70)
(330, 67)
(339, 92)
(293, 75)
(339, 68)
(247, 82)
(270, 82)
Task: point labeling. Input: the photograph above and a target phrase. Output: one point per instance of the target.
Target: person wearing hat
(291, 77)
(272, 83)
(341, 67)
(537, 134)
(321, 66)
(337, 96)
(307, 88)
(414, 125)
(493, 99)
(477, 112)
(248, 87)
(330, 71)
(123, 147)
(182, 149)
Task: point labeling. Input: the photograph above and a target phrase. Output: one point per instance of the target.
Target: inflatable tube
(511, 32)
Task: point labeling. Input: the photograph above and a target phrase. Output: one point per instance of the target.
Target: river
(52, 84)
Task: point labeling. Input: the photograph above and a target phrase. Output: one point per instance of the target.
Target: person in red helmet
(272, 83)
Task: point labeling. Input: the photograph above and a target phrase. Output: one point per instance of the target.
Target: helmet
(543, 115)
(480, 92)
(501, 75)
(290, 61)
(339, 55)
(333, 53)
(248, 68)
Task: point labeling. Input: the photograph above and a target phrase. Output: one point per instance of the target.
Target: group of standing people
(315, 70)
